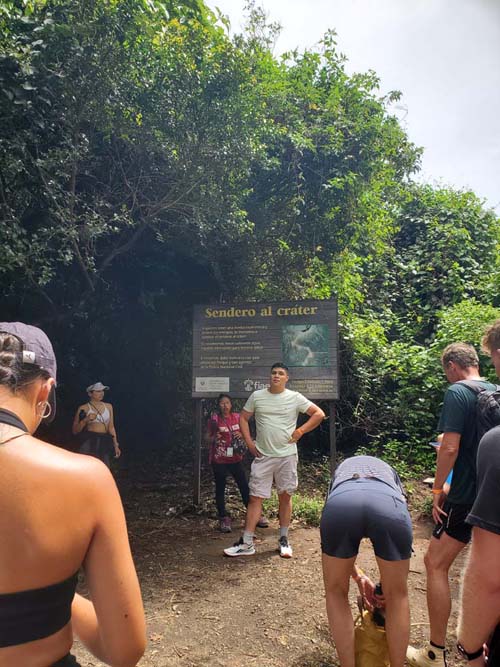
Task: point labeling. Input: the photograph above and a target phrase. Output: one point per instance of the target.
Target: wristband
(437, 491)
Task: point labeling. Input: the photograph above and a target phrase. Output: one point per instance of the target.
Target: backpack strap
(473, 385)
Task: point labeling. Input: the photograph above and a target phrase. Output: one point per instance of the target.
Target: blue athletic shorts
(366, 508)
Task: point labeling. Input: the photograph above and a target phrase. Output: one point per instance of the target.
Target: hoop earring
(43, 409)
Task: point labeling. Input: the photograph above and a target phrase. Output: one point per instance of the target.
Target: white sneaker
(240, 549)
(430, 656)
(285, 548)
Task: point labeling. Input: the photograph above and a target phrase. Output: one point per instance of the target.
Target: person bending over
(366, 500)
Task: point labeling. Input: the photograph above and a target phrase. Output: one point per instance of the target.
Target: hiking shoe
(263, 522)
(240, 549)
(285, 548)
(225, 524)
(430, 656)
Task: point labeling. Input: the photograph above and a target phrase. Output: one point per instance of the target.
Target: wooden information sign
(234, 347)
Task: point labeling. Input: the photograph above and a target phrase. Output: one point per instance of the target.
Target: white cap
(97, 386)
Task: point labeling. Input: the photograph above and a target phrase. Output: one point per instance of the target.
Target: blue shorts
(366, 508)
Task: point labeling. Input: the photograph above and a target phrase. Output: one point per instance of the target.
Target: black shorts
(485, 512)
(454, 524)
(366, 508)
(68, 661)
(99, 445)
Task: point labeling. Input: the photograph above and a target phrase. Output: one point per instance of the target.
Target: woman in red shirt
(227, 449)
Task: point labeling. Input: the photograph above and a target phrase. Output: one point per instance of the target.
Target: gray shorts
(281, 469)
(366, 508)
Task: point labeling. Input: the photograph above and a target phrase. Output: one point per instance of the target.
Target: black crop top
(29, 615)
(35, 614)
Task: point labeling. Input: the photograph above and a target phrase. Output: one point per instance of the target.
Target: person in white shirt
(275, 450)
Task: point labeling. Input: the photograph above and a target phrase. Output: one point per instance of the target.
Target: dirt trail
(206, 610)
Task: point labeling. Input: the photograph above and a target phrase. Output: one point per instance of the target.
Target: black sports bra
(35, 614)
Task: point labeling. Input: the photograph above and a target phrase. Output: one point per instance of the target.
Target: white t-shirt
(276, 419)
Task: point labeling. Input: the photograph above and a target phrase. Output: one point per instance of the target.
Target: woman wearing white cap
(94, 421)
(59, 512)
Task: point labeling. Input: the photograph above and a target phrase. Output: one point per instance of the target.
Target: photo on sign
(305, 345)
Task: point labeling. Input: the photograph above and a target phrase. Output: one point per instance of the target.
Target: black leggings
(221, 471)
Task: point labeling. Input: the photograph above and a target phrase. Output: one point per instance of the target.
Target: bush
(413, 377)
(305, 508)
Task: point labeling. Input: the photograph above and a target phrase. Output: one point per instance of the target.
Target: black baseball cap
(37, 349)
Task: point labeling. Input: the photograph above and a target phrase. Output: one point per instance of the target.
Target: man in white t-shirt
(275, 450)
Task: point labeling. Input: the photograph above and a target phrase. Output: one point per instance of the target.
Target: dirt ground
(205, 610)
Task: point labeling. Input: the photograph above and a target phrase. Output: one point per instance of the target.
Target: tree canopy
(149, 162)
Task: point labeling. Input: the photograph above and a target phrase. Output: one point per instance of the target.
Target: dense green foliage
(149, 162)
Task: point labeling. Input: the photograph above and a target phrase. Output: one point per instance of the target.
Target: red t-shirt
(219, 429)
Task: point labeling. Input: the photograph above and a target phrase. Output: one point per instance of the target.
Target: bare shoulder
(74, 467)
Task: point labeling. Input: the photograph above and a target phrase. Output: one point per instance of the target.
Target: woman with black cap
(58, 512)
(94, 422)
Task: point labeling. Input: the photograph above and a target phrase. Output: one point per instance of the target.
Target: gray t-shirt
(368, 467)
(276, 419)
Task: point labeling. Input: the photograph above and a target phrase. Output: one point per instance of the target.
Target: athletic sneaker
(430, 656)
(225, 524)
(263, 522)
(284, 547)
(240, 549)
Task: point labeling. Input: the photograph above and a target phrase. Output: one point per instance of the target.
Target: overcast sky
(443, 55)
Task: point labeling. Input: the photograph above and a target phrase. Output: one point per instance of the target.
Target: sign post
(198, 434)
(235, 345)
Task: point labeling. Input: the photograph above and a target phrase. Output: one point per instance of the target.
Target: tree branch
(73, 241)
(123, 248)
